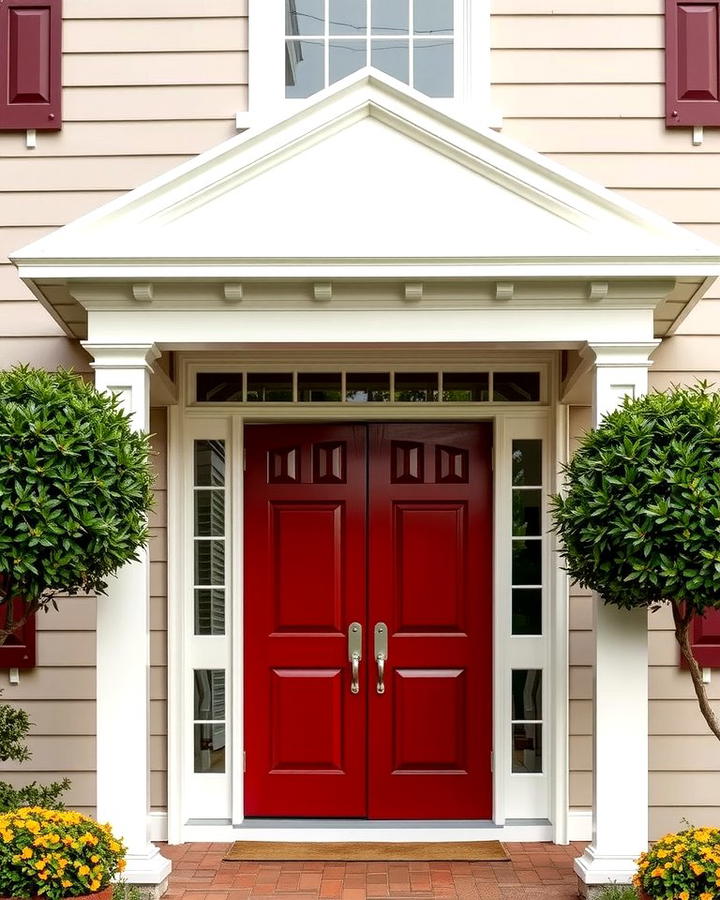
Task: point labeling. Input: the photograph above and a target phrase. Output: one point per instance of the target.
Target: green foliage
(640, 521)
(75, 487)
(124, 891)
(617, 892)
(14, 728)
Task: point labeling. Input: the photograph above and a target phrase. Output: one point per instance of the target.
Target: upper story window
(411, 40)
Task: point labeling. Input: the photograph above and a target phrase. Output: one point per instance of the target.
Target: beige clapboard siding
(168, 34)
(511, 66)
(119, 69)
(47, 352)
(152, 9)
(153, 102)
(577, 32)
(612, 135)
(163, 138)
(27, 319)
(50, 208)
(578, 101)
(90, 173)
(579, 7)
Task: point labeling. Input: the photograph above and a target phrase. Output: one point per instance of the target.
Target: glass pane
(526, 512)
(527, 463)
(220, 387)
(209, 612)
(390, 16)
(210, 563)
(321, 387)
(209, 463)
(210, 748)
(392, 57)
(527, 748)
(416, 387)
(433, 62)
(526, 611)
(527, 562)
(209, 702)
(373, 387)
(527, 694)
(433, 16)
(516, 387)
(304, 17)
(304, 68)
(348, 16)
(271, 388)
(209, 513)
(466, 386)
(346, 57)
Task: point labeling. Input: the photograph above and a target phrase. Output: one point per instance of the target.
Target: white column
(123, 653)
(620, 720)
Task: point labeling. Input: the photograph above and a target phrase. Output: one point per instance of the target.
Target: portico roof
(370, 180)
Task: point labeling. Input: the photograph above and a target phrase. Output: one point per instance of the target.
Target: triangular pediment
(368, 172)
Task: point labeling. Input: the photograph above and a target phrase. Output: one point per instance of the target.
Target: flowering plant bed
(56, 854)
(682, 866)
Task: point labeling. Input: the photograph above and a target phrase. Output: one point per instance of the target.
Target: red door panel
(430, 581)
(305, 491)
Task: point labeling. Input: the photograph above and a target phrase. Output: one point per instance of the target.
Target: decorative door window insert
(527, 541)
(209, 537)
(368, 387)
(327, 40)
(527, 721)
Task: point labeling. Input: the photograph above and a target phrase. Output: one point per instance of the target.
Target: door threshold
(320, 830)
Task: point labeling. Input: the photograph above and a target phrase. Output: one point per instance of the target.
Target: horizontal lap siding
(582, 81)
(146, 85)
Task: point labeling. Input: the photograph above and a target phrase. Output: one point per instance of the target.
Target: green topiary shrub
(640, 519)
(75, 490)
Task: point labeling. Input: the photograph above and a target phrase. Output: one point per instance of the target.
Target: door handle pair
(355, 655)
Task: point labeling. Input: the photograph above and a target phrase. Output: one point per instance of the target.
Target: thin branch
(682, 619)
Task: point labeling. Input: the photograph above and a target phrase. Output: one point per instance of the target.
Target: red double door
(372, 542)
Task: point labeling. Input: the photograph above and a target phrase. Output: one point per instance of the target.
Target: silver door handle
(381, 654)
(355, 655)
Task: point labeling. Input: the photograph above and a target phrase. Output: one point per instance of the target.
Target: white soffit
(369, 176)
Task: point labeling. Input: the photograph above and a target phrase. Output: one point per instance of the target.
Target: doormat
(417, 851)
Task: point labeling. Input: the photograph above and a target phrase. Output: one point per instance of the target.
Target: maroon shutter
(18, 651)
(30, 63)
(692, 48)
(705, 639)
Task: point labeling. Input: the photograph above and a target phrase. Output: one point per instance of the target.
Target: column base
(593, 868)
(149, 871)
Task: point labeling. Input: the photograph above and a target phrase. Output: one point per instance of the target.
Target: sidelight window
(527, 540)
(209, 720)
(209, 537)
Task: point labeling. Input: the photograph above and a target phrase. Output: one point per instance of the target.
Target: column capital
(122, 356)
(617, 354)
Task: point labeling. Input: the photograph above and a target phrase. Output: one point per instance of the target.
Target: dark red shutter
(30, 64)
(705, 638)
(692, 49)
(18, 651)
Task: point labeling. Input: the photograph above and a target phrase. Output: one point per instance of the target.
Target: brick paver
(535, 872)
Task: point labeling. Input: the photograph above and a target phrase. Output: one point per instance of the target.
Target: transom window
(411, 40)
(368, 387)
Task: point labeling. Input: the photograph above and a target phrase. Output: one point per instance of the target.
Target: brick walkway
(535, 872)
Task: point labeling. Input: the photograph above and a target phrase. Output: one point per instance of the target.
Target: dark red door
(430, 552)
(305, 732)
(388, 526)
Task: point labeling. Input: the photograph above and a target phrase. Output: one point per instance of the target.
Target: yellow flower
(706, 896)
(7, 835)
(121, 864)
(657, 872)
(84, 870)
(40, 864)
(697, 868)
(662, 854)
(43, 876)
(66, 883)
(94, 885)
(94, 858)
(114, 846)
(32, 826)
(684, 895)
(26, 853)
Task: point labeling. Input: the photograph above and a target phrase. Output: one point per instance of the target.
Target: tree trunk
(682, 619)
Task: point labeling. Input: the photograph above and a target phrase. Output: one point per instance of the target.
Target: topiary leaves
(640, 519)
(75, 485)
